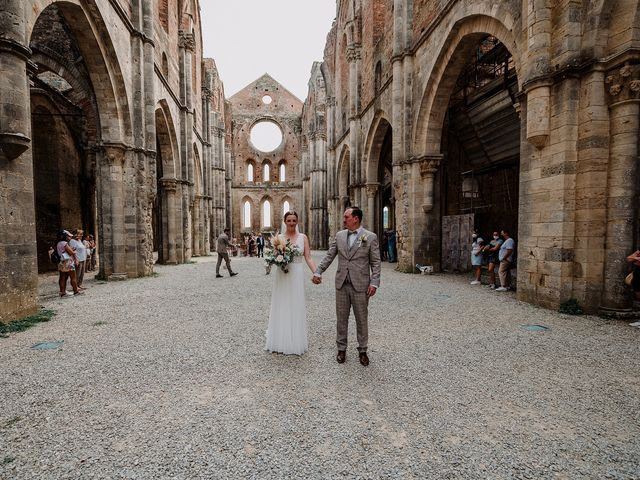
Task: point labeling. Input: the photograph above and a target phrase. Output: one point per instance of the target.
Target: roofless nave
(432, 116)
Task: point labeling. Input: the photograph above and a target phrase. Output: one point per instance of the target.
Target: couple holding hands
(357, 280)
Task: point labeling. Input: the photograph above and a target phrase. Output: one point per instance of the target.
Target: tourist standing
(222, 248)
(476, 256)
(67, 264)
(87, 244)
(492, 251)
(260, 244)
(81, 255)
(391, 246)
(505, 255)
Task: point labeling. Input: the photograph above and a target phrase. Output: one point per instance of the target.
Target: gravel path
(165, 377)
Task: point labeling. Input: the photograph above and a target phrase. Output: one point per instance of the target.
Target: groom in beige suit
(357, 279)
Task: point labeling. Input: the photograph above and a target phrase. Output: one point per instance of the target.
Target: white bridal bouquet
(282, 253)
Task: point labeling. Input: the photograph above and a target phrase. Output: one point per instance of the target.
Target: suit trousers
(225, 257)
(346, 298)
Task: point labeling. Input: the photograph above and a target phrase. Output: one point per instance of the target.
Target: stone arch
(287, 205)
(461, 38)
(100, 56)
(267, 217)
(165, 217)
(167, 141)
(377, 131)
(197, 167)
(344, 179)
(266, 174)
(379, 172)
(251, 170)
(609, 28)
(246, 214)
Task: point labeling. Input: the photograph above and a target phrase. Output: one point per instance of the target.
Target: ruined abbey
(434, 116)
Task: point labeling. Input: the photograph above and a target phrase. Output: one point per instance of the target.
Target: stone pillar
(169, 187)
(113, 248)
(187, 48)
(426, 237)
(372, 214)
(624, 93)
(18, 254)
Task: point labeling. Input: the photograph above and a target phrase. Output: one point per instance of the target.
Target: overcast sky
(248, 38)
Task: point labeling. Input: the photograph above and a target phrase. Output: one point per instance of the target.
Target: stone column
(187, 48)
(169, 188)
(426, 237)
(372, 214)
(113, 248)
(624, 93)
(354, 59)
(18, 254)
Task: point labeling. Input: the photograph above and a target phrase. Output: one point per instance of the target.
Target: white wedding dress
(287, 330)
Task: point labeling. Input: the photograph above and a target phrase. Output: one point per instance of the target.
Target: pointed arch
(461, 39)
(100, 56)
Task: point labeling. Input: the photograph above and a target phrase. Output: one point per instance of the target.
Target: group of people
(498, 252)
(255, 245)
(75, 255)
(388, 249)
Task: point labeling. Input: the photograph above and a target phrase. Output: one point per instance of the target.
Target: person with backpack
(67, 264)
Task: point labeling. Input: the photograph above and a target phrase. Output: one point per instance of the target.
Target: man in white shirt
(81, 255)
(506, 258)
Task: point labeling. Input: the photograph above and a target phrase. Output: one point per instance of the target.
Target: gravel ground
(165, 377)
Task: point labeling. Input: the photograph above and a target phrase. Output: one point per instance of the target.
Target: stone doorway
(481, 147)
(64, 122)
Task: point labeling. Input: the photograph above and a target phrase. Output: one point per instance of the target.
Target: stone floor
(165, 377)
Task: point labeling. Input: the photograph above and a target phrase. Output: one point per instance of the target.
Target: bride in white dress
(287, 331)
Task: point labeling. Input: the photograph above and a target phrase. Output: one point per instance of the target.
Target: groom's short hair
(356, 212)
(227, 230)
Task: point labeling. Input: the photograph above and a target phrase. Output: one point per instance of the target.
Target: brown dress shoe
(341, 357)
(364, 360)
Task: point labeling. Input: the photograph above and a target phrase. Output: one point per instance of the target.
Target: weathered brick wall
(247, 109)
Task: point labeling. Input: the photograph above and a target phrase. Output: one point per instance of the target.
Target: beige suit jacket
(360, 263)
(223, 243)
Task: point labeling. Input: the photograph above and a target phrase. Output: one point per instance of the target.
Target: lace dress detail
(287, 330)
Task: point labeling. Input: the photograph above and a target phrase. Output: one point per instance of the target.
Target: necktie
(351, 237)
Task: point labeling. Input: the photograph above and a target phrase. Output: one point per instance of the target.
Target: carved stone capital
(354, 52)
(623, 83)
(429, 164)
(372, 189)
(115, 153)
(169, 184)
(187, 41)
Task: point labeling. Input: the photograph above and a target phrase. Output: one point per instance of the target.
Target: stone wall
(248, 109)
(576, 97)
(110, 74)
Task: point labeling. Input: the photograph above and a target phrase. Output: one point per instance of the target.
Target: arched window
(378, 77)
(165, 66)
(266, 214)
(266, 172)
(247, 215)
(249, 172)
(283, 172)
(286, 207)
(385, 218)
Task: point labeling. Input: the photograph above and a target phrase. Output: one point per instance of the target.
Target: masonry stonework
(518, 114)
(110, 121)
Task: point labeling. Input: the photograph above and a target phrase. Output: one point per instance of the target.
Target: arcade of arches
(435, 119)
